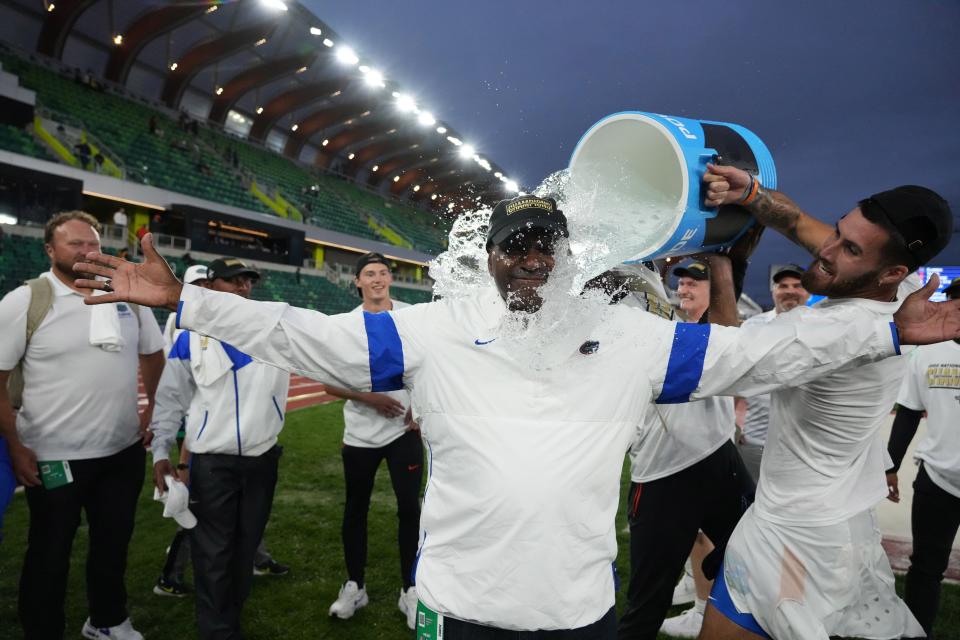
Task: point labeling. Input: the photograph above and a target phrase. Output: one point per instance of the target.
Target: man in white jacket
(525, 453)
(234, 408)
(805, 562)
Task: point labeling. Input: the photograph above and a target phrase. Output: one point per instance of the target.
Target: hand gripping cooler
(641, 158)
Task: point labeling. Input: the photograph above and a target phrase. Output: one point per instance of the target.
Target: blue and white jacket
(232, 403)
(518, 528)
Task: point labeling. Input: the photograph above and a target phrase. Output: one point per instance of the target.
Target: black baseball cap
(695, 270)
(371, 258)
(522, 213)
(784, 270)
(921, 216)
(229, 267)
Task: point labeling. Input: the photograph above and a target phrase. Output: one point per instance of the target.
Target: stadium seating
(123, 125)
(19, 141)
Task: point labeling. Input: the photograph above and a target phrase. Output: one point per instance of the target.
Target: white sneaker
(123, 631)
(351, 598)
(685, 591)
(685, 625)
(408, 605)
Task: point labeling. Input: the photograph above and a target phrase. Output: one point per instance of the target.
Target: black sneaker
(170, 588)
(270, 568)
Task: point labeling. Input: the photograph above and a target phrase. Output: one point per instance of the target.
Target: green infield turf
(304, 532)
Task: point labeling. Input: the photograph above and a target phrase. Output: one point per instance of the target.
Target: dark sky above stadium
(851, 97)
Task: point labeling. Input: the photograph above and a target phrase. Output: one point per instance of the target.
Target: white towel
(176, 502)
(105, 326)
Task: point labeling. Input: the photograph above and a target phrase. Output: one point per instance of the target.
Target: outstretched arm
(385, 405)
(728, 185)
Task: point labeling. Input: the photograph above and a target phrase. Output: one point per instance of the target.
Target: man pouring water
(517, 526)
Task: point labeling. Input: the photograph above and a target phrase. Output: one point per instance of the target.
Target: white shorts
(809, 583)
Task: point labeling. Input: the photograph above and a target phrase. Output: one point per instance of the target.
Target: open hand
(151, 283)
(724, 185)
(920, 321)
(385, 405)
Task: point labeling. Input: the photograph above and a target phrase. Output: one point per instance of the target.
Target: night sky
(851, 97)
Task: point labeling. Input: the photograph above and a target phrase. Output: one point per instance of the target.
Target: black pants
(106, 489)
(664, 517)
(231, 497)
(935, 518)
(405, 461)
(603, 629)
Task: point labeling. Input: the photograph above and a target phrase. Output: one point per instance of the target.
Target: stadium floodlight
(512, 186)
(467, 151)
(497, 174)
(433, 197)
(173, 67)
(364, 68)
(118, 39)
(396, 178)
(426, 118)
(346, 55)
(351, 156)
(260, 42)
(274, 5)
(301, 69)
(325, 142)
(455, 141)
(51, 7)
(416, 187)
(219, 91)
(375, 167)
(405, 102)
(259, 110)
(374, 78)
(450, 206)
(327, 42)
(441, 130)
(315, 31)
(211, 9)
(483, 162)
(294, 127)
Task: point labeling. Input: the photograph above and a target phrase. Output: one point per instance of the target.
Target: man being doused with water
(528, 397)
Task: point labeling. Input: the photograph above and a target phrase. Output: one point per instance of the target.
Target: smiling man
(518, 528)
(806, 560)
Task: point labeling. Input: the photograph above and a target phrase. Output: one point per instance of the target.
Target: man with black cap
(525, 421)
(693, 289)
(234, 409)
(931, 385)
(378, 426)
(788, 293)
(806, 559)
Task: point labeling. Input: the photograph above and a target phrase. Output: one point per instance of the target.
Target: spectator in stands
(83, 153)
(120, 220)
(518, 524)
(154, 127)
(931, 385)
(78, 415)
(98, 161)
(378, 427)
(234, 408)
(788, 293)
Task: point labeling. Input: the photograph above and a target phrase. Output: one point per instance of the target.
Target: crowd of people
(514, 536)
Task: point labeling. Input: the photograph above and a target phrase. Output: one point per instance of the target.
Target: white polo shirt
(363, 426)
(932, 384)
(79, 401)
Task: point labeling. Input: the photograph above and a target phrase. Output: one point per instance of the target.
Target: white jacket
(233, 404)
(518, 521)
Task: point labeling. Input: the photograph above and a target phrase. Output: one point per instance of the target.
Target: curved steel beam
(57, 25)
(144, 29)
(210, 52)
(291, 101)
(320, 120)
(246, 81)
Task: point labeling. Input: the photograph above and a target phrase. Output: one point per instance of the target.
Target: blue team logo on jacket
(590, 347)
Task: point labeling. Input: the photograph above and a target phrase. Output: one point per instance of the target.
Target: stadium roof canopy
(269, 70)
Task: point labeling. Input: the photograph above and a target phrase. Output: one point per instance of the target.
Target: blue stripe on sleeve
(179, 311)
(686, 362)
(386, 352)
(181, 347)
(896, 337)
